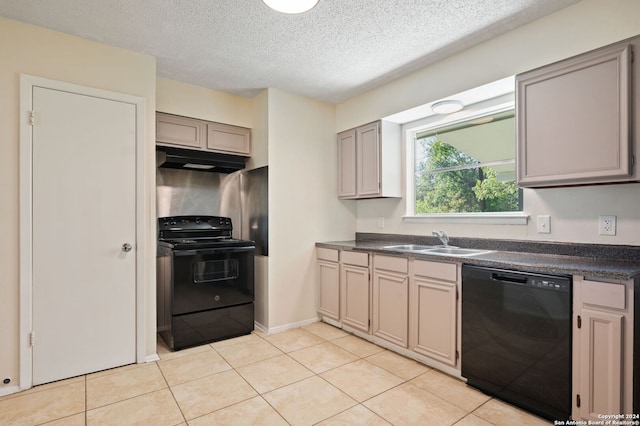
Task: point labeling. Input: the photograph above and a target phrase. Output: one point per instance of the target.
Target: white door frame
(27, 82)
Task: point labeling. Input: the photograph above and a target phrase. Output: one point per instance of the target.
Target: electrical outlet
(544, 224)
(607, 225)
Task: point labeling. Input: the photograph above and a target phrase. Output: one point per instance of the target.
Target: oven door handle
(214, 251)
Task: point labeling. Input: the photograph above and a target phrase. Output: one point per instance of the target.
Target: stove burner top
(183, 241)
(196, 232)
(202, 245)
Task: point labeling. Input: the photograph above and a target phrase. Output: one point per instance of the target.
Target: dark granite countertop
(591, 260)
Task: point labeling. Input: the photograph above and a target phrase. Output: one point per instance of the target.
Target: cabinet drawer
(330, 255)
(437, 270)
(354, 258)
(607, 295)
(394, 264)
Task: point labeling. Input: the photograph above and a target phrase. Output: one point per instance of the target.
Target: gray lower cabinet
(415, 305)
(354, 290)
(412, 304)
(602, 348)
(328, 283)
(344, 287)
(434, 310)
(391, 299)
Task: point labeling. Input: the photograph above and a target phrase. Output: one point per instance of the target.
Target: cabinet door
(434, 323)
(231, 139)
(347, 164)
(601, 356)
(329, 297)
(368, 160)
(354, 297)
(173, 130)
(573, 120)
(603, 347)
(391, 307)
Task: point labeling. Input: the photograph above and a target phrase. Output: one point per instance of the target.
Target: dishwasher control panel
(549, 283)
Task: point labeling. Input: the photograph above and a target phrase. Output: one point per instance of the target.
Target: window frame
(478, 110)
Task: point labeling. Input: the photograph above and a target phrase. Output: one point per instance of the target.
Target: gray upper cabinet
(575, 121)
(225, 138)
(347, 164)
(369, 164)
(182, 132)
(185, 132)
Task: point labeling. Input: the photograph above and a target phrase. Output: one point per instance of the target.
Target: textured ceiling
(339, 49)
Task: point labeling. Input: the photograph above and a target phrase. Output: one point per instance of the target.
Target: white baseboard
(331, 322)
(152, 358)
(260, 327)
(10, 390)
(286, 327)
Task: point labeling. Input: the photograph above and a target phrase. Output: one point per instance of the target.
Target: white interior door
(84, 211)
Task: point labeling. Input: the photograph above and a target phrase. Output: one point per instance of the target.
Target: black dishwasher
(516, 338)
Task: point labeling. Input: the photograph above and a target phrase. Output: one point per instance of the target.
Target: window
(465, 164)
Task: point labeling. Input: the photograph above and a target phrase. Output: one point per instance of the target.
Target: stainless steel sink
(455, 251)
(444, 251)
(409, 247)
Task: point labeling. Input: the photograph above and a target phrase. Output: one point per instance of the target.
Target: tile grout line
(171, 391)
(314, 374)
(234, 369)
(358, 403)
(86, 400)
(259, 394)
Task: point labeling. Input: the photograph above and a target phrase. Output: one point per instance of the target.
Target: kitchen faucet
(443, 237)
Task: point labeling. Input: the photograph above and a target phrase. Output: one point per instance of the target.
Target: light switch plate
(544, 224)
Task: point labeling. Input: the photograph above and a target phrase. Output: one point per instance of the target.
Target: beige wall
(178, 98)
(260, 158)
(40, 52)
(303, 207)
(259, 131)
(574, 211)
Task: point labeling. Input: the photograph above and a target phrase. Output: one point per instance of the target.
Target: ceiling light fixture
(446, 107)
(291, 6)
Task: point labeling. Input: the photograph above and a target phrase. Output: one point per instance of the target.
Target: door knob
(126, 247)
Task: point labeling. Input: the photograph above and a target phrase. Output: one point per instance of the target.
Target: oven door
(212, 278)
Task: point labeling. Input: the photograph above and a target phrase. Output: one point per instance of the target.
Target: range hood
(188, 159)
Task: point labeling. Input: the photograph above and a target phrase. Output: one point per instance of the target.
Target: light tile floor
(317, 374)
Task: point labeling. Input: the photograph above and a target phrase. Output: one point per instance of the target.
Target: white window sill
(507, 218)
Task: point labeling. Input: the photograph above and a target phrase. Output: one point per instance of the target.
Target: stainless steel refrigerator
(249, 211)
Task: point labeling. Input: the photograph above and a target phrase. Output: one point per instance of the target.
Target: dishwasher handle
(520, 279)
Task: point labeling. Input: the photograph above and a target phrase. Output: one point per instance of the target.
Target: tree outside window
(449, 179)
